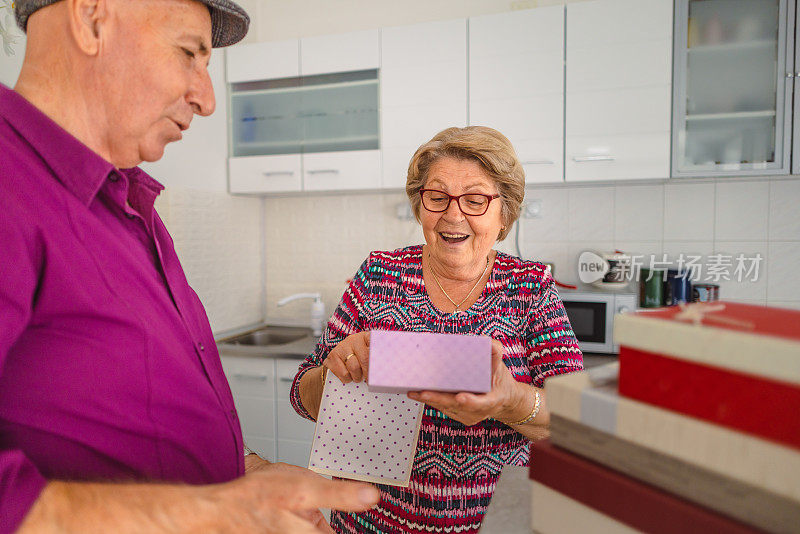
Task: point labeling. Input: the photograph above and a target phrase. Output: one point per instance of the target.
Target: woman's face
(456, 241)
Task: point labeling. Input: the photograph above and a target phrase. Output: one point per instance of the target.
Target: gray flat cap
(229, 22)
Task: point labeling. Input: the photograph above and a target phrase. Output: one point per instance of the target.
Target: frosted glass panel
(730, 115)
(325, 113)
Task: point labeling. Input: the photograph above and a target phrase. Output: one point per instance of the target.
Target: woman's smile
(453, 238)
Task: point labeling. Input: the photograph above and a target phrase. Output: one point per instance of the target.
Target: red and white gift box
(732, 364)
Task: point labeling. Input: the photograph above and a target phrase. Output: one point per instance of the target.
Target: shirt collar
(81, 170)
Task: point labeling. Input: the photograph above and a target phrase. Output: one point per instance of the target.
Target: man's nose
(201, 94)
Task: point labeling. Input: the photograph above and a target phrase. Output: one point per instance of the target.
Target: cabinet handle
(324, 171)
(582, 159)
(288, 379)
(278, 173)
(246, 376)
(790, 74)
(538, 162)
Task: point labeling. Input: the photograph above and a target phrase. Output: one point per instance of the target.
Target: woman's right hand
(349, 360)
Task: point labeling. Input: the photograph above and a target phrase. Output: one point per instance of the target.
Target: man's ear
(86, 20)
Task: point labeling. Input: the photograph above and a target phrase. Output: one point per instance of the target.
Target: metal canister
(651, 288)
(705, 292)
(677, 287)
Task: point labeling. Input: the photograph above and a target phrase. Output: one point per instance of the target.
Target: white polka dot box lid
(365, 435)
(414, 361)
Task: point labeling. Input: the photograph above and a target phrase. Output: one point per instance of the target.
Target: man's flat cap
(229, 22)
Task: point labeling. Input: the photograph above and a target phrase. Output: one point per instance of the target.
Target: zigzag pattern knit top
(456, 466)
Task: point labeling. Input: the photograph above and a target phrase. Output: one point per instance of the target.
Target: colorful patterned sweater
(456, 466)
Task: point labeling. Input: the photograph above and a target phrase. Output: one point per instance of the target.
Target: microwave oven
(591, 314)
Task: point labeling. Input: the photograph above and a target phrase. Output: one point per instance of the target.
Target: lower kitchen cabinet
(270, 426)
(295, 433)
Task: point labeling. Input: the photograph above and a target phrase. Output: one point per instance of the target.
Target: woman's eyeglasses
(470, 204)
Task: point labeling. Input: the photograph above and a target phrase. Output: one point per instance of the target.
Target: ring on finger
(349, 356)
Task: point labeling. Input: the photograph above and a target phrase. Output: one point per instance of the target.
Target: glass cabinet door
(323, 113)
(731, 103)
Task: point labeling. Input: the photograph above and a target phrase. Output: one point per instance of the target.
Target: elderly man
(115, 415)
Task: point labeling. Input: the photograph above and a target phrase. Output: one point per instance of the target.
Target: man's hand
(253, 463)
(281, 498)
(269, 501)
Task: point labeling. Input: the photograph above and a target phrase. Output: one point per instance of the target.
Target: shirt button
(201, 346)
(130, 215)
(113, 177)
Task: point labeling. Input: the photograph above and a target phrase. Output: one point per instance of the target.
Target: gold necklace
(435, 279)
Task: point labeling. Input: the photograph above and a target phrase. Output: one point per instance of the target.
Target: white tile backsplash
(314, 243)
(747, 276)
(591, 213)
(742, 210)
(784, 210)
(218, 239)
(639, 213)
(551, 225)
(689, 212)
(782, 269)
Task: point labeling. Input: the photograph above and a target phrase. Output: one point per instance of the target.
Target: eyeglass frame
(458, 201)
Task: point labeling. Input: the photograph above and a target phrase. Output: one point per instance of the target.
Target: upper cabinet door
(423, 87)
(733, 87)
(263, 61)
(339, 53)
(516, 84)
(618, 89)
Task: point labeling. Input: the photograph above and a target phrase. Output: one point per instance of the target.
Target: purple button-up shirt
(108, 367)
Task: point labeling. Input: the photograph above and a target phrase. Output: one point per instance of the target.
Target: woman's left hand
(471, 408)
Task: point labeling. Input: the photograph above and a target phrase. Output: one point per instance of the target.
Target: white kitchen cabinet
(265, 174)
(252, 383)
(295, 434)
(332, 171)
(263, 61)
(270, 426)
(516, 84)
(423, 89)
(733, 88)
(339, 53)
(618, 89)
(309, 123)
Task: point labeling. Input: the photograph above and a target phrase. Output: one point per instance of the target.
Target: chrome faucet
(317, 309)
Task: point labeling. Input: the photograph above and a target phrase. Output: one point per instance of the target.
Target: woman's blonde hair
(487, 147)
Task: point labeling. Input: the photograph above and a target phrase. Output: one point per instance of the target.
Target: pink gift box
(414, 361)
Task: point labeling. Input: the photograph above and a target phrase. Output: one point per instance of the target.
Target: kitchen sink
(269, 335)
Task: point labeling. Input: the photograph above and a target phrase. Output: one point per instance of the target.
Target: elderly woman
(466, 187)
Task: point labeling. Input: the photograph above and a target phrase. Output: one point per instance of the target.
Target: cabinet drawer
(294, 452)
(256, 415)
(265, 174)
(617, 157)
(250, 376)
(359, 169)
